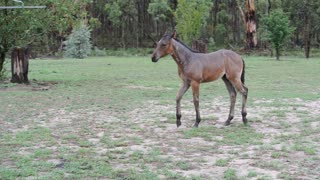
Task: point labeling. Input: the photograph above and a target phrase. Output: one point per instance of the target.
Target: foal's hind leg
(244, 91)
(233, 97)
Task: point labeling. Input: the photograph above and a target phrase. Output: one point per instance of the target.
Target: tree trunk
(2, 59)
(250, 18)
(278, 53)
(269, 7)
(216, 10)
(307, 36)
(19, 65)
(200, 46)
(4, 41)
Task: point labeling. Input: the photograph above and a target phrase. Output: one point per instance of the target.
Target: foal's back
(219, 63)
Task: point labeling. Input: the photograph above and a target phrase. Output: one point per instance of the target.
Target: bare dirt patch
(148, 137)
(33, 85)
(243, 158)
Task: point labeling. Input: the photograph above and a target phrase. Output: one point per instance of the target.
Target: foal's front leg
(195, 91)
(183, 89)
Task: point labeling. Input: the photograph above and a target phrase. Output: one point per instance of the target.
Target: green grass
(184, 165)
(222, 162)
(114, 118)
(230, 174)
(252, 174)
(242, 135)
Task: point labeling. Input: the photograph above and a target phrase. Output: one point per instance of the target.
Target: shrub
(78, 44)
(98, 52)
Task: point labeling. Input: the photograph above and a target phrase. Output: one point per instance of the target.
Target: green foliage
(78, 44)
(120, 10)
(114, 12)
(24, 26)
(191, 16)
(160, 9)
(220, 34)
(278, 29)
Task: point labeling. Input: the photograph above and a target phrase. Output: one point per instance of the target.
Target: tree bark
(251, 26)
(19, 65)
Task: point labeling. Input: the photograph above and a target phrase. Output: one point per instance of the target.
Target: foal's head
(164, 47)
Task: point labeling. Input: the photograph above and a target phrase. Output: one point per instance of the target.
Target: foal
(195, 68)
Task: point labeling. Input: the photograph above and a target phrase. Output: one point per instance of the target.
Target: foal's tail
(243, 72)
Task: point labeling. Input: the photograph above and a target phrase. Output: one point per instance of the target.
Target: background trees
(138, 23)
(222, 24)
(305, 16)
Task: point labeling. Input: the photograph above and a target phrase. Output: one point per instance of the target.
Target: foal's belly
(208, 76)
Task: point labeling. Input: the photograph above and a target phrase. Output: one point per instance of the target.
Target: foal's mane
(182, 43)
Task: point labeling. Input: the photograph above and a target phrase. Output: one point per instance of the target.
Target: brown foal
(195, 68)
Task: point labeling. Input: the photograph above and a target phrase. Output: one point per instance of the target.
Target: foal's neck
(181, 54)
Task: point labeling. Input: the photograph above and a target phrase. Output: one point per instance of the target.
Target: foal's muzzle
(154, 59)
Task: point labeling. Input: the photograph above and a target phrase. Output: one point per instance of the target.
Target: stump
(19, 65)
(200, 46)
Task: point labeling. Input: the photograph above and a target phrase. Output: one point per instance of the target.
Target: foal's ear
(174, 35)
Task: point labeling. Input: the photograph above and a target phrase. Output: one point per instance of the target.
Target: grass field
(114, 118)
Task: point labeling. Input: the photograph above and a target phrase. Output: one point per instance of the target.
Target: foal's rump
(233, 65)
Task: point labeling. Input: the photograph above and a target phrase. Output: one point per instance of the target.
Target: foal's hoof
(245, 121)
(178, 124)
(196, 125)
(227, 123)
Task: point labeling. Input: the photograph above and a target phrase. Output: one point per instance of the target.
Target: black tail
(243, 72)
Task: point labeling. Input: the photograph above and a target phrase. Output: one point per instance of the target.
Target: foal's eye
(163, 45)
